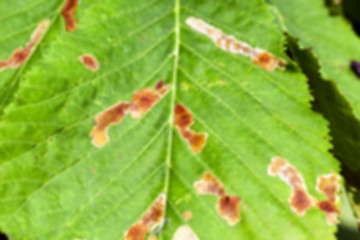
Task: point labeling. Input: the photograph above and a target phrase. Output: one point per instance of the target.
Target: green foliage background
(54, 184)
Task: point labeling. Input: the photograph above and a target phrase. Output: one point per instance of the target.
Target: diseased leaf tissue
(300, 200)
(142, 101)
(199, 153)
(20, 55)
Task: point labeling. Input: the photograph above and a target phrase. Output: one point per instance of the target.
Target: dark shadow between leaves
(347, 233)
(3, 236)
(351, 12)
(344, 127)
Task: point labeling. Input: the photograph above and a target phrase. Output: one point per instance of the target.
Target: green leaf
(56, 185)
(333, 44)
(18, 21)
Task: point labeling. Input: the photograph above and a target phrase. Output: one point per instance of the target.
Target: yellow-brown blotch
(228, 207)
(142, 102)
(20, 55)
(112, 116)
(151, 219)
(329, 185)
(183, 120)
(229, 43)
(144, 99)
(208, 184)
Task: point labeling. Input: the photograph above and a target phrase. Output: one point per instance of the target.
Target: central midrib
(173, 97)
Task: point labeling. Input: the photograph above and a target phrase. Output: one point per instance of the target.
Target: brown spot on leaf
(183, 120)
(208, 184)
(90, 62)
(300, 200)
(142, 102)
(20, 55)
(229, 43)
(187, 215)
(196, 140)
(185, 233)
(227, 206)
(151, 219)
(112, 116)
(329, 185)
(265, 60)
(183, 117)
(330, 209)
(68, 12)
(144, 99)
(137, 231)
(156, 213)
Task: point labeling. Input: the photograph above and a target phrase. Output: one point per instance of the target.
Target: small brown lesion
(330, 209)
(183, 120)
(114, 115)
(68, 12)
(90, 62)
(137, 231)
(277, 163)
(267, 61)
(196, 140)
(149, 221)
(300, 201)
(208, 184)
(141, 103)
(155, 215)
(183, 117)
(20, 55)
(329, 185)
(228, 207)
(144, 99)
